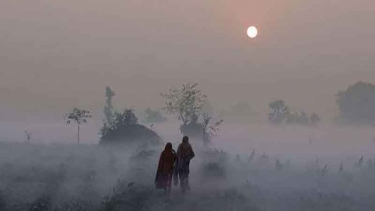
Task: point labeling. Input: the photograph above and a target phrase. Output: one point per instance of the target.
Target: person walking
(184, 155)
(164, 174)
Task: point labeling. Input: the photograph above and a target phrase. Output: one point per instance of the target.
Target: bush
(125, 129)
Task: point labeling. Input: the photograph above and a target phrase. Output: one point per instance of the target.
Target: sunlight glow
(252, 32)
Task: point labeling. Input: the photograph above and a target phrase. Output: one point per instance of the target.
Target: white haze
(68, 176)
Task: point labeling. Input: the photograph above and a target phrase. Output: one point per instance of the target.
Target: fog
(58, 55)
(52, 172)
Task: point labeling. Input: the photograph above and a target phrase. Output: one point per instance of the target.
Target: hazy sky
(62, 53)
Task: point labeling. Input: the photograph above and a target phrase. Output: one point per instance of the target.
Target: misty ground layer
(79, 177)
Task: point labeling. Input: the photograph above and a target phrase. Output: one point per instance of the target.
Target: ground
(82, 177)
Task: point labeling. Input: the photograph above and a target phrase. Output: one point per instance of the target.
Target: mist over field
(280, 119)
(246, 167)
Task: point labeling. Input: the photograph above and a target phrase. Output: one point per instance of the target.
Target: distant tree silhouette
(279, 112)
(188, 103)
(79, 116)
(108, 108)
(357, 104)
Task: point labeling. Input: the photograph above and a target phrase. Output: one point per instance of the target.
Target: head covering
(168, 147)
(185, 139)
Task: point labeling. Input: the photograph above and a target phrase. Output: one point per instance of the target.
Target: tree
(188, 102)
(357, 103)
(279, 112)
(79, 116)
(108, 108)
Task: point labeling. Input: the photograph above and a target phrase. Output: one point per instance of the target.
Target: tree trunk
(78, 133)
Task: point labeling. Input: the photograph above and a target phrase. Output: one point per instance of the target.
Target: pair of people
(175, 165)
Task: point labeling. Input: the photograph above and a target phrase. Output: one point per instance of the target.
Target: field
(89, 177)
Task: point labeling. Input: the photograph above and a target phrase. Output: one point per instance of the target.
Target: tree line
(188, 103)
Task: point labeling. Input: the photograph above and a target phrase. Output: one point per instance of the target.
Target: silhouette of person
(184, 154)
(164, 174)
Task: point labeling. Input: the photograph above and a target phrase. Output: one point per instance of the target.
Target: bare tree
(79, 116)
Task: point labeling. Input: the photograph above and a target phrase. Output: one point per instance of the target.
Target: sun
(252, 32)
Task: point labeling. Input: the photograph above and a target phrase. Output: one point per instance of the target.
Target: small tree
(188, 103)
(279, 112)
(79, 116)
(108, 108)
(357, 104)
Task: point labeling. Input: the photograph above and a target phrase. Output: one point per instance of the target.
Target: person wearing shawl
(164, 174)
(184, 154)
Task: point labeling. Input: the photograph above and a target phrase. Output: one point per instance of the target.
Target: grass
(93, 178)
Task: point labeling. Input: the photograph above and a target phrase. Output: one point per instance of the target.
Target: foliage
(280, 114)
(154, 116)
(210, 127)
(357, 103)
(108, 108)
(79, 116)
(125, 128)
(188, 103)
(120, 119)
